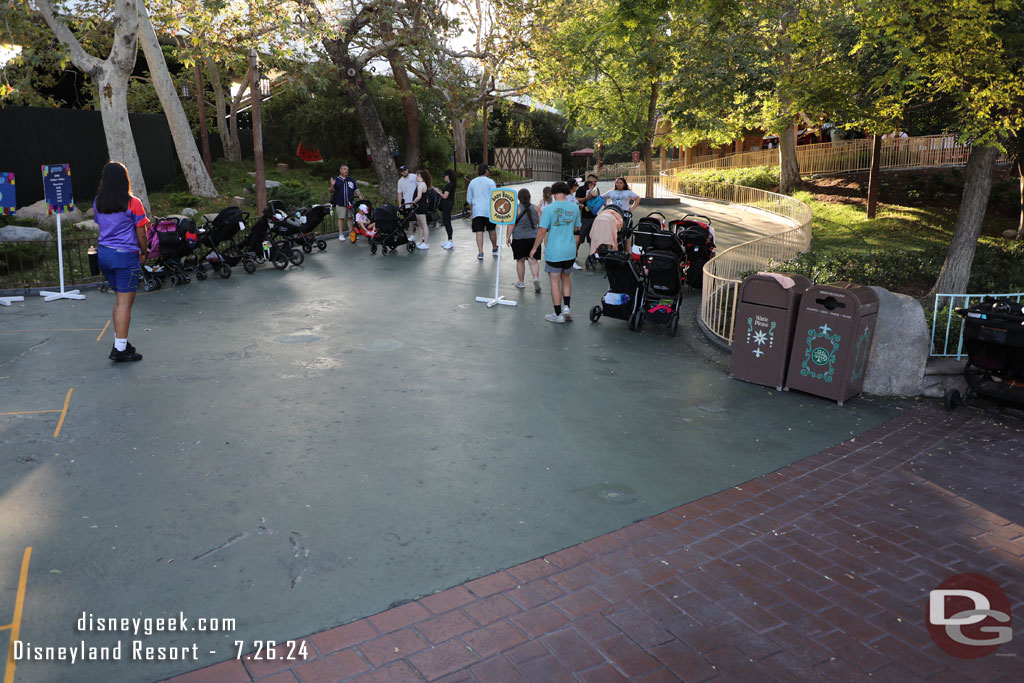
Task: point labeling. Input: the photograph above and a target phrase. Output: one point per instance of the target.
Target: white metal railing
(947, 326)
(722, 274)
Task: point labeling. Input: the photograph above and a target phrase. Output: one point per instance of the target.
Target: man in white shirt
(478, 196)
(407, 185)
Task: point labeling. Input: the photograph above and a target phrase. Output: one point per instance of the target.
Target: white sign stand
(6, 300)
(509, 198)
(491, 302)
(73, 294)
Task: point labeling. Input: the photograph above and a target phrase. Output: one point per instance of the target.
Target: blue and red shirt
(117, 230)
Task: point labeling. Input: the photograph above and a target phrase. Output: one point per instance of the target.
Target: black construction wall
(33, 136)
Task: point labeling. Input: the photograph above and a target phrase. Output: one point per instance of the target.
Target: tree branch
(82, 59)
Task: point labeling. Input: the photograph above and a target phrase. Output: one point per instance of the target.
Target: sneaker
(448, 245)
(494, 252)
(412, 238)
(536, 284)
(520, 285)
(566, 313)
(423, 245)
(576, 266)
(129, 355)
(552, 318)
(480, 256)
(342, 238)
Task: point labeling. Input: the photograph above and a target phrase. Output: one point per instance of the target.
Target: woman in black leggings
(447, 204)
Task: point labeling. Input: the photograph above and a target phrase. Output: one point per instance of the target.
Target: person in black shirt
(585, 193)
(447, 204)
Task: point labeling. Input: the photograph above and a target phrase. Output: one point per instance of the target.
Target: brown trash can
(765, 317)
(832, 340)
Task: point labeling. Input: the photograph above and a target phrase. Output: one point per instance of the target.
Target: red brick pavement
(819, 569)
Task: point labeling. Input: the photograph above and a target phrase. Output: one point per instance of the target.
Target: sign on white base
(53, 296)
(503, 212)
(6, 300)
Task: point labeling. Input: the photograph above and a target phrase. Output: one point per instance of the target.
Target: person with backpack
(343, 193)
(521, 240)
(425, 201)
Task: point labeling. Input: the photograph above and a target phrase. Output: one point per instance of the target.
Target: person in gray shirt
(521, 239)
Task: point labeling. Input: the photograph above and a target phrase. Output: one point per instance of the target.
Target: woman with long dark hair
(521, 240)
(447, 204)
(122, 250)
(423, 185)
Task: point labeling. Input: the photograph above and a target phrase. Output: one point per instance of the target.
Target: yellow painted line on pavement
(5, 627)
(19, 604)
(63, 414)
(104, 331)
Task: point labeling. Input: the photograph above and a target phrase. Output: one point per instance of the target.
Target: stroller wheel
(280, 261)
(173, 279)
(953, 399)
(591, 263)
(296, 258)
(201, 274)
(249, 265)
(185, 278)
(673, 325)
(595, 314)
(321, 245)
(373, 248)
(148, 286)
(224, 271)
(410, 246)
(308, 248)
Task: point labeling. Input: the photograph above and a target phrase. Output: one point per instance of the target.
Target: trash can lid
(777, 290)
(856, 299)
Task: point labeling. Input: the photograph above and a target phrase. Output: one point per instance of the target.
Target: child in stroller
(364, 224)
(391, 223)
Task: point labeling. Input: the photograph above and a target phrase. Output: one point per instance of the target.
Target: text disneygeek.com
(138, 650)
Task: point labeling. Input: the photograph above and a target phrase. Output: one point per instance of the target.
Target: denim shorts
(121, 268)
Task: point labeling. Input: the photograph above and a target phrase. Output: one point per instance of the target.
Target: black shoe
(129, 355)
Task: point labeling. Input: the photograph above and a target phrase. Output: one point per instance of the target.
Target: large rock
(38, 213)
(189, 212)
(1010, 234)
(271, 184)
(900, 350)
(87, 225)
(18, 233)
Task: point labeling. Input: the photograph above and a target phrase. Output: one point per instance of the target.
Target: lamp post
(256, 95)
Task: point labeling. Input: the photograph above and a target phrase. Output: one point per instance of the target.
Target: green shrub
(294, 194)
(761, 177)
(183, 198)
(895, 269)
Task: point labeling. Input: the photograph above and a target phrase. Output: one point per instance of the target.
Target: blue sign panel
(57, 188)
(8, 205)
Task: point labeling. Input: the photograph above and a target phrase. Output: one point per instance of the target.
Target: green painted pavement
(302, 448)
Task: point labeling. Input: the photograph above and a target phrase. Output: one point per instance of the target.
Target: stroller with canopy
(661, 257)
(300, 226)
(219, 236)
(172, 242)
(994, 340)
(698, 238)
(266, 244)
(391, 223)
(625, 284)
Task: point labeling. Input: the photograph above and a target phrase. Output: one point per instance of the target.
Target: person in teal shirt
(558, 224)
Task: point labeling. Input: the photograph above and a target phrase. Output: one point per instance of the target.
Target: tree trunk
(412, 116)
(876, 156)
(204, 136)
(485, 128)
(459, 134)
(199, 182)
(789, 170)
(652, 125)
(231, 152)
(113, 89)
(236, 102)
(1020, 174)
(351, 72)
(956, 270)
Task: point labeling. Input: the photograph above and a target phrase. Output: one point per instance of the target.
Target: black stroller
(267, 244)
(219, 236)
(994, 340)
(300, 226)
(661, 260)
(391, 224)
(625, 284)
(698, 238)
